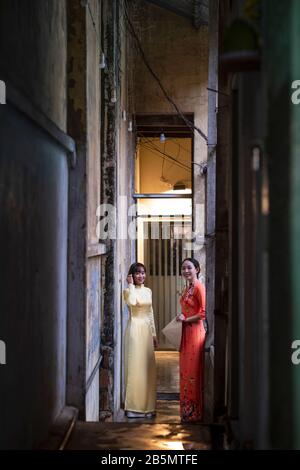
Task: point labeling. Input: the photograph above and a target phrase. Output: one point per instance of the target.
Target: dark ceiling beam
(196, 11)
(162, 120)
(175, 7)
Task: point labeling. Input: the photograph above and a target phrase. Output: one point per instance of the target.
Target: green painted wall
(295, 209)
(282, 67)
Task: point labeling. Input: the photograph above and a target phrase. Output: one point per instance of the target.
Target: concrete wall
(33, 205)
(178, 53)
(117, 190)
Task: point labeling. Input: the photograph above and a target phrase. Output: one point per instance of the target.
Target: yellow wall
(152, 167)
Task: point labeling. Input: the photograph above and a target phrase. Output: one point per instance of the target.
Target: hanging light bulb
(162, 137)
(130, 129)
(102, 63)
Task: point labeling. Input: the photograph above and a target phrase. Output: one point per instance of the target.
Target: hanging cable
(164, 156)
(102, 62)
(201, 165)
(94, 24)
(152, 145)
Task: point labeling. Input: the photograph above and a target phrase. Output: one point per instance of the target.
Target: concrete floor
(134, 436)
(167, 364)
(163, 432)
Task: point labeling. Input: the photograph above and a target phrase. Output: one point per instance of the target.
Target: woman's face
(139, 276)
(188, 271)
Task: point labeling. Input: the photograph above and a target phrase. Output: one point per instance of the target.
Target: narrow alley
(149, 207)
(163, 432)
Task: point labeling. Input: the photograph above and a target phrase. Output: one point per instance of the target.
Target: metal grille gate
(166, 244)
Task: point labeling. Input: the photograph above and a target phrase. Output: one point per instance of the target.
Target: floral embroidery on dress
(192, 355)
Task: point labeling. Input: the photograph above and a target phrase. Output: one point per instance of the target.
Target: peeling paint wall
(117, 189)
(109, 196)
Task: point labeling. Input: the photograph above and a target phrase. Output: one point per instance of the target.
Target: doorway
(163, 190)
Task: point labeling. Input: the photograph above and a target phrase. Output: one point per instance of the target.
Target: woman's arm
(151, 322)
(152, 325)
(153, 330)
(193, 319)
(130, 295)
(200, 294)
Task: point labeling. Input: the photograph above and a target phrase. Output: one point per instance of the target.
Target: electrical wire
(164, 156)
(157, 149)
(151, 142)
(94, 24)
(110, 73)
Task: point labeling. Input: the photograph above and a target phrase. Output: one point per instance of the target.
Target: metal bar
(160, 280)
(162, 196)
(158, 121)
(91, 377)
(173, 292)
(166, 286)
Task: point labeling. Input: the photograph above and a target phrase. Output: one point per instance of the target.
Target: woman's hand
(155, 342)
(180, 317)
(130, 279)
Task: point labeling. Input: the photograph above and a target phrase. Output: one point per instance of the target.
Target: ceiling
(196, 11)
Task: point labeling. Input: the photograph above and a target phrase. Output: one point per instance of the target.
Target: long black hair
(135, 267)
(195, 263)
